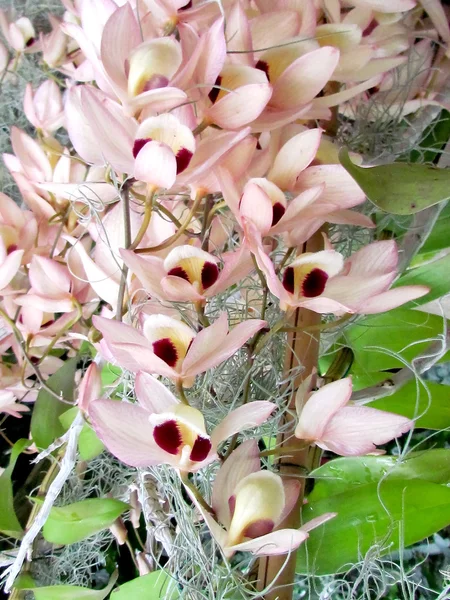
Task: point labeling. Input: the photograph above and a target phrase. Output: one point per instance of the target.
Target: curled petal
(156, 164)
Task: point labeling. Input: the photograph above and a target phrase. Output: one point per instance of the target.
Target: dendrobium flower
(170, 348)
(163, 147)
(20, 34)
(161, 430)
(250, 503)
(188, 274)
(325, 419)
(9, 404)
(325, 283)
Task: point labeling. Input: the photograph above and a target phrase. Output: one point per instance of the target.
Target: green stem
(181, 393)
(127, 235)
(194, 491)
(145, 223)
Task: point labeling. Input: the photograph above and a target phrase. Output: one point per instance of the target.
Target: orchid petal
(152, 394)
(272, 544)
(393, 298)
(156, 164)
(10, 267)
(240, 106)
(149, 270)
(249, 415)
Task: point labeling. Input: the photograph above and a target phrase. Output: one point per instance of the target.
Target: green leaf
(71, 592)
(435, 275)
(110, 373)
(45, 423)
(152, 586)
(343, 474)
(438, 238)
(412, 401)
(384, 517)
(89, 446)
(376, 339)
(399, 188)
(75, 522)
(9, 523)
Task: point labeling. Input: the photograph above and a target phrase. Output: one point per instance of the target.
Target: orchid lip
(165, 349)
(314, 283)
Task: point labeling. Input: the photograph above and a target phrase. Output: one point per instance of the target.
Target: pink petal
(114, 132)
(277, 542)
(10, 267)
(246, 416)
(257, 207)
(305, 78)
(80, 133)
(393, 298)
(321, 407)
(236, 266)
(48, 277)
(378, 257)
(340, 188)
(355, 430)
(46, 304)
(156, 164)
(386, 6)
(152, 394)
(205, 344)
(125, 430)
(90, 387)
(241, 106)
(294, 157)
(229, 190)
(149, 270)
(293, 215)
(238, 336)
(347, 94)
(349, 217)
(273, 28)
(317, 521)
(177, 289)
(120, 35)
(291, 492)
(438, 17)
(135, 357)
(243, 461)
(354, 290)
(214, 53)
(32, 158)
(239, 36)
(274, 118)
(158, 100)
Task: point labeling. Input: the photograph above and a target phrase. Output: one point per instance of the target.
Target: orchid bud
(144, 564)
(119, 531)
(136, 509)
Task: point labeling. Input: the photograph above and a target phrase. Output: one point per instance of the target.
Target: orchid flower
(249, 504)
(325, 283)
(170, 348)
(161, 430)
(188, 274)
(325, 419)
(20, 34)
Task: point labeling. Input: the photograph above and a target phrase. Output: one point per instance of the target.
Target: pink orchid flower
(161, 430)
(50, 287)
(44, 107)
(9, 405)
(170, 348)
(20, 35)
(188, 274)
(325, 419)
(325, 283)
(249, 504)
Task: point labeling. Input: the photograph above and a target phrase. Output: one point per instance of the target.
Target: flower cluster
(200, 157)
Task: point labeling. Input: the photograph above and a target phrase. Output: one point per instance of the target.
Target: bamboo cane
(302, 350)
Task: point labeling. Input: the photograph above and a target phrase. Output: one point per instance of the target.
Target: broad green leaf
(110, 373)
(384, 517)
(9, 523)
(45, 423)
(412, 401)
(152, 586)
(71, 592)
(376, 339)
(342, 474)
(439, 237)
(435, 275)
(75, 522)
(89, 446)
(399, 188)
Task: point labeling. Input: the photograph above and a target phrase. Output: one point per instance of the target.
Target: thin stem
(195, 492)
(127, 235)
(181, 393)
(178, 234)
(145, 222)
(66, 328)
(200, 127)
(286, 257)
(283, 450)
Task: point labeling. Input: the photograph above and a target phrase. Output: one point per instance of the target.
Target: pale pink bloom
(43, 107)
(50, 287)
(9, 405)
(249, 504)
(20, 34)
(188, 274)
(161, 430)
(4, 58)
(170, 348)
(239, 96)
(325, 283)
(325, 419)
